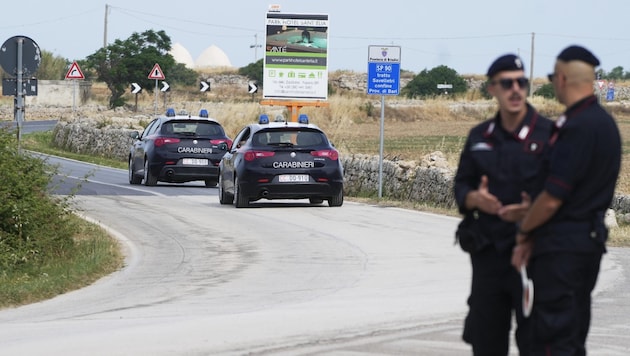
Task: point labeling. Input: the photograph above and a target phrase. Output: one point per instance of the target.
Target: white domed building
(181, 55)
(212, 56)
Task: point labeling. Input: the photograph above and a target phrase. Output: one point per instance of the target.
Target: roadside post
(252, 88)
(610, 93)
(74, 73)
(165, 89)
(157, 74)
(20, 56)
(383, 79)
(445, 87)
(600, 86)
(135, 89)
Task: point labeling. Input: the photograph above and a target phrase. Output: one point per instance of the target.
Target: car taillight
(160, 141)
(332, 154)
(252, 155)
(228, 142)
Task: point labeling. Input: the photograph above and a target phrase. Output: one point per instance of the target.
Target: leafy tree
(52, 67)
(546, 91)
(253, 71)
(182, 75)
(425, 83)
(616, 73)
(129, 61)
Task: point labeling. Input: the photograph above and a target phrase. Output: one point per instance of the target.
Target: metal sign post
(157, 74)
(20, 56)
(74, 73)
(19, 109)
(383, 79)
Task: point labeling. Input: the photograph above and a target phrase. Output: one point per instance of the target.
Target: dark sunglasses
(508, 83)
(550, 76)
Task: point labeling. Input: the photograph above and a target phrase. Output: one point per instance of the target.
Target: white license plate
(290, 178)
(196, 161)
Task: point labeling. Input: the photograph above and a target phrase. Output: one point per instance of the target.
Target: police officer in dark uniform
(562, 237)
(497, 169)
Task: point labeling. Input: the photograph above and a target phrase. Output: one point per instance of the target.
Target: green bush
(33, 223)
(546, 91)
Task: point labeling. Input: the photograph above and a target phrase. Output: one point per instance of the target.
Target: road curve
(277, 278)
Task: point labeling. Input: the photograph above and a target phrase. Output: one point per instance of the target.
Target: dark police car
(177, 149)
(281, 160)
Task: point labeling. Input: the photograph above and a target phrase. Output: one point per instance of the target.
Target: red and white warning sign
(601, 83)
(156, 73)
(74, 72)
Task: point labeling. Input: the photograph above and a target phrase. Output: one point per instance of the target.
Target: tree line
(126, 61)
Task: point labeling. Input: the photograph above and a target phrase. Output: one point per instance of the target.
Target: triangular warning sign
(156, 72)
(74, 72)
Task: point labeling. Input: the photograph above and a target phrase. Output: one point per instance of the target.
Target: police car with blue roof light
(281, 160)
(178, 148)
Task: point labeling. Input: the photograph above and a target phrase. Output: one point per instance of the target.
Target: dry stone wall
(428, 181)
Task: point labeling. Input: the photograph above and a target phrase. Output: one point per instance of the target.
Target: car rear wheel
(336, 200)
(224, 197)
(240, 201)
(149, 179)
(133, 178)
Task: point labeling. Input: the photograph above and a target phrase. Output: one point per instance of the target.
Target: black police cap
(505, 62)
(577, 53)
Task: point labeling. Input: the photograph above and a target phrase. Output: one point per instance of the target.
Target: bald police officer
(562, 237)
(497, 169)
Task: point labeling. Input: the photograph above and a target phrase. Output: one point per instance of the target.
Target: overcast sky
(464, 35)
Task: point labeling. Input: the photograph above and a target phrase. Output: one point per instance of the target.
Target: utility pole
(105, 29)
(255, 46)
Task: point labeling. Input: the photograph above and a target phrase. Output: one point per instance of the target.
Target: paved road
(31, 126)
(277, 279)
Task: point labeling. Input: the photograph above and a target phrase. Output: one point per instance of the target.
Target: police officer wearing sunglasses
(497, 171)
(562, 238)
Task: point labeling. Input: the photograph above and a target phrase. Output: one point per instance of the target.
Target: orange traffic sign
(156, 73)
(74, 72)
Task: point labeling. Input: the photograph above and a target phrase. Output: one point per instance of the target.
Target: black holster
(469, 235)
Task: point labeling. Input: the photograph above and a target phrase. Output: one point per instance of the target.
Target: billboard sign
(296, 56)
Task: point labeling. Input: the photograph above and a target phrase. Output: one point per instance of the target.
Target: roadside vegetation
(45, 249)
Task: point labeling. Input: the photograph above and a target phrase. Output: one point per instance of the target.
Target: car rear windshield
(295, 138)
(193, 128)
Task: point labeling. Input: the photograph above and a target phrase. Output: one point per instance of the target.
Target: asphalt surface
(281, 278)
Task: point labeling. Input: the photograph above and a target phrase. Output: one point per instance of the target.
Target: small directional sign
(156, 73)
(29, 87)
(165, 87)
(252, 88)
(74, 72)
(135, 88)
(204, 86)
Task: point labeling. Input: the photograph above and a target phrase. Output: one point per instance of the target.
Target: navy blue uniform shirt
(512, 162)
(582, 170)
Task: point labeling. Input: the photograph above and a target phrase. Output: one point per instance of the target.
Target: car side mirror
(134, 134)
(223, 146)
